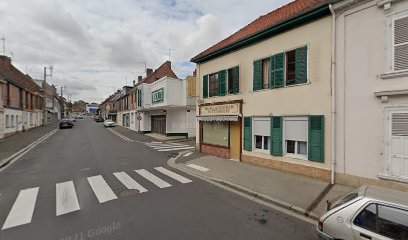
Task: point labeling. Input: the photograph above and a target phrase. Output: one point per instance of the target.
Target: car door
(379, 221)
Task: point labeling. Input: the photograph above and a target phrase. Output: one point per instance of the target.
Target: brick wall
(308, 171)
(216, 151)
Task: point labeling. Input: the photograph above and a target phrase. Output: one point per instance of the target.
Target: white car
(108, 123)
(367, 213)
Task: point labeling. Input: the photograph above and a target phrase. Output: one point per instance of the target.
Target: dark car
(99, 119)
(66, 123)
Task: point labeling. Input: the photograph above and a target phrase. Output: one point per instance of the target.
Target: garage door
(159, 124)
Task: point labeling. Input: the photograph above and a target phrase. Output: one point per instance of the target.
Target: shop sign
(224, 109)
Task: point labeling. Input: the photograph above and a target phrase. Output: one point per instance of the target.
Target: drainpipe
(333, 95)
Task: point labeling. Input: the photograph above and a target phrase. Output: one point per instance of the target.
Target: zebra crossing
(23, 207)
(167, 147)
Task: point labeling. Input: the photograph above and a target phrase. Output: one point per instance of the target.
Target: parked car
(367, 213)
(80, 117)
(72, 119)
(99, 119)
(108, 123)
(65, 123)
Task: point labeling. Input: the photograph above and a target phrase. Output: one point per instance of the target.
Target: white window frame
(390, 20)
(386, 144)
(254, 119)
(294, 155)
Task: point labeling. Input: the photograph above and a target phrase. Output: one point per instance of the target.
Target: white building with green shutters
(265, 92)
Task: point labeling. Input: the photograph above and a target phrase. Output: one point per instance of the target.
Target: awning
(218, 118)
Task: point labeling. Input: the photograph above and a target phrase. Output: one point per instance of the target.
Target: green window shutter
(276, 136)
(257, 81)
(316, 139)
(205, 86)
(248, 133)
(277, 70)
(222, 83)
(301, 65)
(235, 81)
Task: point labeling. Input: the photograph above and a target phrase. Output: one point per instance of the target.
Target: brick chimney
(5, 61)
(134, 83)
(139, 79)
(149, 71)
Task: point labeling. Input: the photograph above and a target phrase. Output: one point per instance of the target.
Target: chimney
(149, 71)
(134, 83)
(139, 79)
(5, 61)
(168, 63)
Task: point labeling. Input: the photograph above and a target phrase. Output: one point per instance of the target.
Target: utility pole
(51, 68)
(4, 46)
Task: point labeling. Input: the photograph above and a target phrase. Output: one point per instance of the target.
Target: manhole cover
(128, 193)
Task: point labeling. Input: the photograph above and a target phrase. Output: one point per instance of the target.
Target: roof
(263, 23)
(385, 194)
(162, 71)
(10, 73)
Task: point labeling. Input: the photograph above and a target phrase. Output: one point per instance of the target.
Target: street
(98, 205)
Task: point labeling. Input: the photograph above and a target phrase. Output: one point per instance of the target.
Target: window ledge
(295, 156)
(392, 178)
(256, 150)
(288, 86)
(391, 75)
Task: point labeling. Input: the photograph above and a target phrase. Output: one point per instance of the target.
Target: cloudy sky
(97, 46)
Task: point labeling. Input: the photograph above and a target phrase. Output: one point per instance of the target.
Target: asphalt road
(194, 210)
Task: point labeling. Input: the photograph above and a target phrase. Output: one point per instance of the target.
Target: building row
(316, 88)
(25, 103)
(159, 103)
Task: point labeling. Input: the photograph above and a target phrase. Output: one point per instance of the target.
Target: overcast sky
(96, 46)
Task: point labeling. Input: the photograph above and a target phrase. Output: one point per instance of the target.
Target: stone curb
(248, 193)
(7, 161)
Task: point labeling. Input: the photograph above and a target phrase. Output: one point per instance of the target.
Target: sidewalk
(136, 136)
(297, 193)
(13, 144)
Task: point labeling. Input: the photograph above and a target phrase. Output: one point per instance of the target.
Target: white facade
(13, 121)
(371, 92)
(166, 108)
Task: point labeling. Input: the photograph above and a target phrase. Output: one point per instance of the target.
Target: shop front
(220, 129)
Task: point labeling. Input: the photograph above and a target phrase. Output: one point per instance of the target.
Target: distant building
(92, 108)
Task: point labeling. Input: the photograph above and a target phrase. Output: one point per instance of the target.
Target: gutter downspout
(333, 95)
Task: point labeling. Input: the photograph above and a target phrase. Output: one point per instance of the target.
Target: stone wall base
(215, 150)
(308, 171)
(355, 181)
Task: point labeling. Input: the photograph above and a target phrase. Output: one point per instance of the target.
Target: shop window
(261, 133)
(216, 133)
(296, 136)
(7, 121)
(213, 84)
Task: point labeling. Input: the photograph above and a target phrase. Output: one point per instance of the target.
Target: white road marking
(120, 135)
(101, 189)
(23, 208)
(174, 149)
(66, 198)
(84, 169)
(155, 142)
(202, 169)
(152, 178)
(188, 154)
(129, 182)
(173, 175)
(167, 145)
(162, 147)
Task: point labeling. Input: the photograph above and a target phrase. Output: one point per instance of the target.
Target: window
(12, 121)
(158, 96)
(384, 220)
(261, 132)
(282, 69)
(7, 121)
(233, 80)
(290, 67)
(266, 70)
(296, 135)
(400, 43)
(213, 85)
(216, 133)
